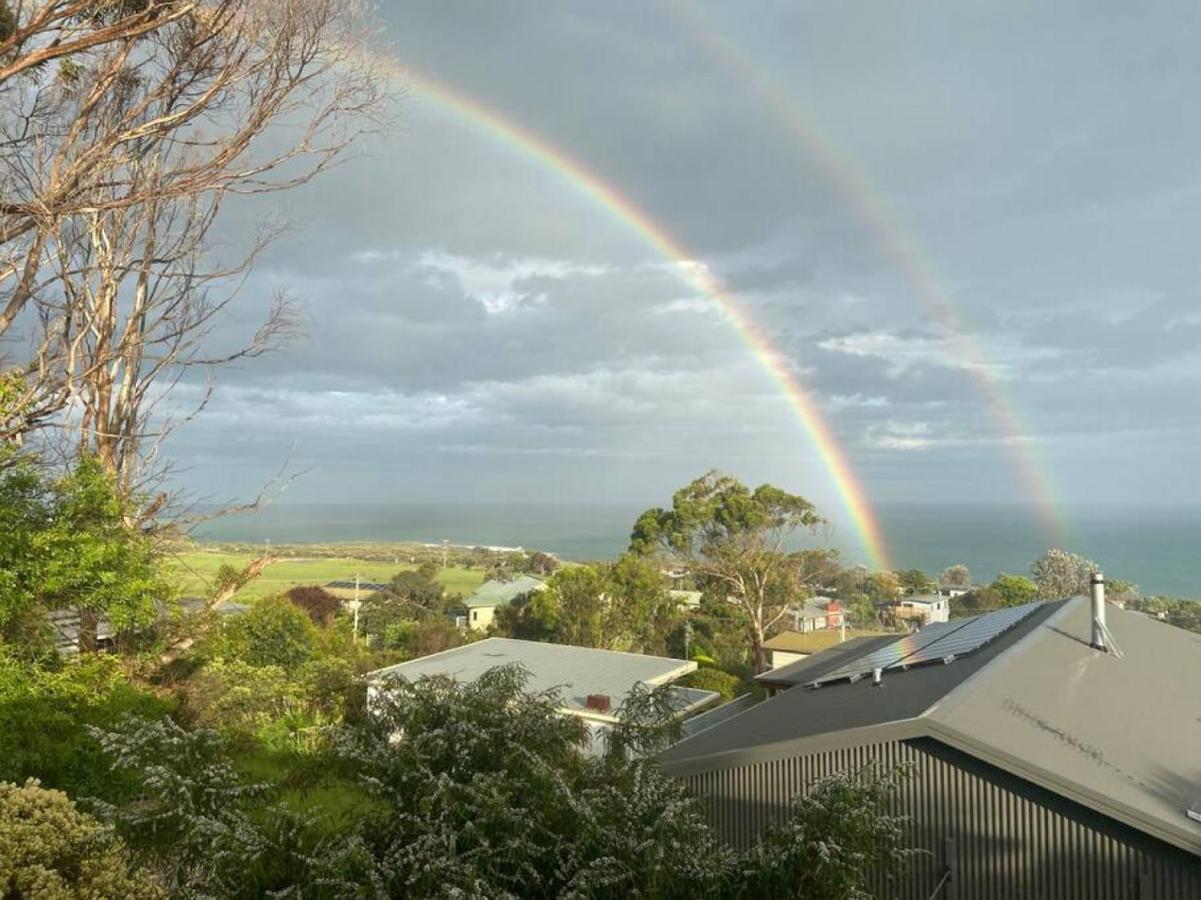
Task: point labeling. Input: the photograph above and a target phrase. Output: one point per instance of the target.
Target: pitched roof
(1121, 736)
(813, 641)
(502, 593)
(577, 671)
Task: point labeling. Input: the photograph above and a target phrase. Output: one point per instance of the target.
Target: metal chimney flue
(1098, 609)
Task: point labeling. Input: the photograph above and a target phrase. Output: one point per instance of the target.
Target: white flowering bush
(487, 794)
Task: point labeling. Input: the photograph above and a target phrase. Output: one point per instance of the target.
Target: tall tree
(736, 539)
(1059, 574)
(114, 167)
(957, 576)
(1014, 590)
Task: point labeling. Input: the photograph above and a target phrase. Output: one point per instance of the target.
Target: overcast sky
(478, 327)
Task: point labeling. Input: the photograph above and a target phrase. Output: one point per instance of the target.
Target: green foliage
(618, 606)
(49, 850)
(68, 544)
(195, 822)
(422, 638)
(1014, 590)
(882, 587)
(716, 511)
(487, 794)
(419, 588)
(837, 830)
(1173, 610)
(273, 632)
(228, 579)
(529, 617)
(283, 710)
(915, 581)
(8, 24)
(732, 539)
(45, 713)
(709, 678)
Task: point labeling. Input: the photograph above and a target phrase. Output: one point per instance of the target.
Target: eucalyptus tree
(735, 539)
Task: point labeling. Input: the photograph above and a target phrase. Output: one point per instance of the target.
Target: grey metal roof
(576, 671)
(1121, 736)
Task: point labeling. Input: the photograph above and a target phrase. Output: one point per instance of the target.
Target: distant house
(594, 683)
(480, 608)
(816, 614)
(687, 599)
(923, 610)
(789, 647)
(1041, 764)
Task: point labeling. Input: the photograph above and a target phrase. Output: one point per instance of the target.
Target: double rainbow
(626, 212)
(896, 244)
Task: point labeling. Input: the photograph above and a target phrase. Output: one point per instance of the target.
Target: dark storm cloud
(478, 325)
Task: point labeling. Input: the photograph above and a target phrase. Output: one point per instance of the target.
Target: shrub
(196, 823)
(320, 605)
(49, 849)
(708, 678)
(273, 632)
(44, 714)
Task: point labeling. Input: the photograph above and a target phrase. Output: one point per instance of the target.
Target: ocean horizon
(1157, 548)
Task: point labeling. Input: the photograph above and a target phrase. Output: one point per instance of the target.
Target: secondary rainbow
(871, 209)
(624, 210)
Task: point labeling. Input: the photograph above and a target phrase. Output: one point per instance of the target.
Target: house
(790, 647)
(923, 610)
(594, 683)
(686, 599)
(816, 614)
(1042, 764)
(480, 608)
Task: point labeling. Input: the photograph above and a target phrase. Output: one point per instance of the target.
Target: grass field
(197, 568)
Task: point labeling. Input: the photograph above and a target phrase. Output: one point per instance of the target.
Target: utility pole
(355, 604)
(445, 551)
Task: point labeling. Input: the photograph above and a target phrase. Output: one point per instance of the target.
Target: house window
(475, 615)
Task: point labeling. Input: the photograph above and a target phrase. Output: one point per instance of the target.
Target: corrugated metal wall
(1011, 839)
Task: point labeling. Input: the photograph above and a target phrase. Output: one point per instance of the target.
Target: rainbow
(873, 211)
(631, 216)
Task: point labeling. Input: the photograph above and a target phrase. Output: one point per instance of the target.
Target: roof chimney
(598, 702)
(1098, 606)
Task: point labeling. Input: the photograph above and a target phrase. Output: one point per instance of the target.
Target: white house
(923, 610)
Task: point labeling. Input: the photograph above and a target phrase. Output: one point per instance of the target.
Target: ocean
(1157, 548)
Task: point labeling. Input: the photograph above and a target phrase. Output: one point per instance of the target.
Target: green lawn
(197, 568)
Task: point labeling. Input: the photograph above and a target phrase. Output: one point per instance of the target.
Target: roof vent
(1098, 609)
(598, 703)
(878, 676)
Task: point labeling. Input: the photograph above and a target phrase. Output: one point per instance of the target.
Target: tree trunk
(89, 626)
(758, 653)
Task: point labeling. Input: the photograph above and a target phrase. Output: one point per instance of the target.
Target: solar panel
(893, 653)
(363, 585)
(977, 632)
(940, 641)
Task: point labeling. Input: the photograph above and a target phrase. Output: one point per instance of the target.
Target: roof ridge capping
(965, 688)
